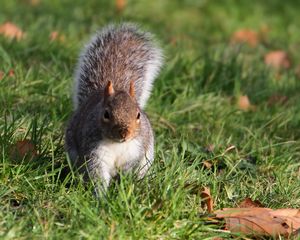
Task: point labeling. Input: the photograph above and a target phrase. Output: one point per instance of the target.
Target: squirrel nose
(123, 133)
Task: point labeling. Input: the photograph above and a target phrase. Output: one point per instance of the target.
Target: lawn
(252, 151)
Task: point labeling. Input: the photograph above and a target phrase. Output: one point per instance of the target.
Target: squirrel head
(121, 115)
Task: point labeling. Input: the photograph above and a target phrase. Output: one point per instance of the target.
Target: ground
(203, 136)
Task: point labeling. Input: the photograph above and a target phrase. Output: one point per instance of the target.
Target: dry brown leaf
(207, 164)
(11, 73)
(34, 2)
(53, 35)
(1, 75)
(249, 203)
(56, 36)
(261, 221)
(10, 30)
(277, 99)
(244, 103)
(210, 148)
(247, 36)
(278, 60)
(120, 5)
(23, 149)
(205, 195)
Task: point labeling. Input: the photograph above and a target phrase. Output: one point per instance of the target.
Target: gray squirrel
(109, 131)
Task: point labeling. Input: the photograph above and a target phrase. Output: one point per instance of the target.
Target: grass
(193, 106)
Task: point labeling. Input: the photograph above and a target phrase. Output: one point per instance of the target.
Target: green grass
(192, 107)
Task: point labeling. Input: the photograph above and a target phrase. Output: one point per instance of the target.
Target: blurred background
(190, 26)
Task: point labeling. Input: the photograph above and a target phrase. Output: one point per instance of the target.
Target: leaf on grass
(11, 73)
(207, 164)
(23, 149)
(34, 2)
(1, 75)
(210, 148)
(278, 60)
(247, 36)
(205, 195)
(249, 203)
(244, 103)
(277, 99)
(56, 36)
(261, 221)
(120, 5)
(10, 30)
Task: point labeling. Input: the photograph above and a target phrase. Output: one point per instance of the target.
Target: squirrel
(109, 131)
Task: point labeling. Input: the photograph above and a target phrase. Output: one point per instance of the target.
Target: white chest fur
(118, 156)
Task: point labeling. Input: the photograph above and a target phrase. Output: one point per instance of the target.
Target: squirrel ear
(131, 89)
(109, 90)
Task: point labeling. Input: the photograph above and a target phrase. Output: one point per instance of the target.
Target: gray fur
(119, 54)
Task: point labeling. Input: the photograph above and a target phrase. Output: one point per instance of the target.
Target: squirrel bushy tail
(120, 54)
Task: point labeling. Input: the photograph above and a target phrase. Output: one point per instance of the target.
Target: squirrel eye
(106, 115)
(138, 115)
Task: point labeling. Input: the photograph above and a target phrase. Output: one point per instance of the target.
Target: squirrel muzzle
(121, 134)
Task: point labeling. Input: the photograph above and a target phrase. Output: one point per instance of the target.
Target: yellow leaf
(10, 30)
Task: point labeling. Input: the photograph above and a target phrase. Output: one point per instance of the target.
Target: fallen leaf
(56, 36)
(247, 36)
(207, 164)
(23, 149)
(261, 221)
(1, 75)
(10, 30)
(120, 5)
(244, 103)
(205, 195)
(210, 148)
(249, 203)
(277, 100)
(11, 73)
(278, 60)
(34, 2)
(53, 35)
